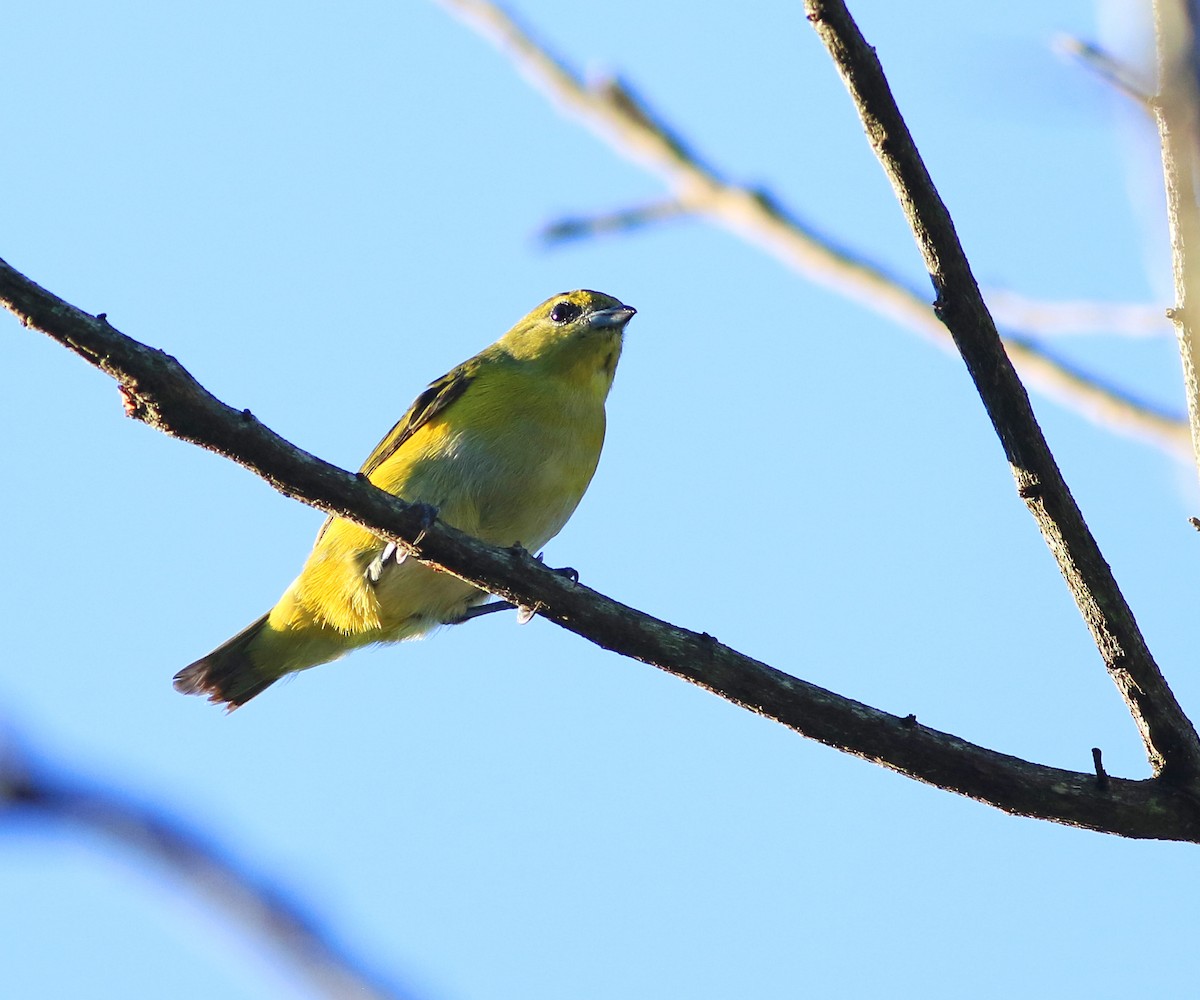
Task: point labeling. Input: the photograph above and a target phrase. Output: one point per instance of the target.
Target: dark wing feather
(425, 407)
(428, 405)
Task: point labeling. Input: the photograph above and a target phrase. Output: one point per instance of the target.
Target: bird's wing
(428, 405)
(425, 407)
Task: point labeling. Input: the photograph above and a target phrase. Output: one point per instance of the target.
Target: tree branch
(1177, 112)
(159, 391)
(618, 116)
(28, 791)
(1169, 737)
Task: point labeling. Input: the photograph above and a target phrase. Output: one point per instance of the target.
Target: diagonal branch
(1169, 737)
(618, 116)
(160, 391)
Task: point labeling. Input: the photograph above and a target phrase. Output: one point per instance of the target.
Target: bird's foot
(524, 614)
(479, 610)
(392, 551)
(569, 572)
(428, 514)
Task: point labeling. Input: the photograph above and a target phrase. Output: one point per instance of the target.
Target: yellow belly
(517, 481)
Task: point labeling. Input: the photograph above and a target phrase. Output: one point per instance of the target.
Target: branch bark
(160, 391)
(1177, 113)
(1169, 737)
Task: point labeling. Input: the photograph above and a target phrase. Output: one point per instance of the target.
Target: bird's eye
(564, 312)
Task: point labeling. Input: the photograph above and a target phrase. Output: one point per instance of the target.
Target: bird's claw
(376, 566)
(391, 550)
(478, 611)
(569, 572)
(524, 614)
(428, 514)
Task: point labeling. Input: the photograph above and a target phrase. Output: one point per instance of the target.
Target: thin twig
(614, 112)
(160, 392)
(624, 220)
(1168, 735)
(29, 791)
(1117, 74)
(1177, 112)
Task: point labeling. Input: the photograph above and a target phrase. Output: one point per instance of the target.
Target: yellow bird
(503, 447)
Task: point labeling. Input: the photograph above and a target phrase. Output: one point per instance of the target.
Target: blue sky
(319, 211)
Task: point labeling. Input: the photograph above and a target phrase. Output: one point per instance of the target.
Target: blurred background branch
(1061, 318)
(1117, 74)
(34, 792)
(611, 109)
(622, 221)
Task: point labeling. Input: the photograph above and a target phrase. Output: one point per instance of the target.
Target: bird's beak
(617, 317)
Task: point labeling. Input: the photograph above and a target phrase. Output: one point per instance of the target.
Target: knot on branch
(134, 405)
(1030, 491)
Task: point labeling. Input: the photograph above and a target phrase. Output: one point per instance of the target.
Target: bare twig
(1177, 112)
(582, 227)
(615, 113)
(159, 391)
(1169, 737)
(32, 792)
(1117, 74)
(1098, 764)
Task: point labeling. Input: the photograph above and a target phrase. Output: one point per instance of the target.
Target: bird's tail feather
(228, 675)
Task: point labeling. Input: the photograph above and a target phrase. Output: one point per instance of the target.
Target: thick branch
(30, 792)
(1177, 112)
(615, 113)
(1169, 737)
(161, 392)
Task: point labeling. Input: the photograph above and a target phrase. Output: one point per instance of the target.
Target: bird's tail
(229, 674)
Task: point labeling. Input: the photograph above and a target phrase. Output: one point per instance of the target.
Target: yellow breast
(508, 462)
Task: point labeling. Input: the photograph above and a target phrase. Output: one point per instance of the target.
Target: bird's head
(575, 334)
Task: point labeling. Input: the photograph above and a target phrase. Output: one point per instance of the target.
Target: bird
(502, 447)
